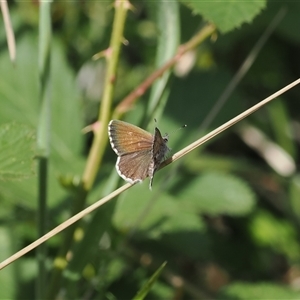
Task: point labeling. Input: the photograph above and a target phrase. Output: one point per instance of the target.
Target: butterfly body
(139, 152)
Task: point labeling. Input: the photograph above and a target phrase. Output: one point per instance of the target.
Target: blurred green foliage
(224, 217)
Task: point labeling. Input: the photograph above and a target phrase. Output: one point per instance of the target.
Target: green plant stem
(101, 138)
(43, 138)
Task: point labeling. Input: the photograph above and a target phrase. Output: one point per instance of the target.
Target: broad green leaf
(67, 119)
(193, 97)
(268, 231)
(19, 97)
(164, 214)
(17, 144)
(226, 15)
(19, 101)
(218, 193)
(241, 290)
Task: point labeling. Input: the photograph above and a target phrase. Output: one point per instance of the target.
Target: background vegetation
(225, 218)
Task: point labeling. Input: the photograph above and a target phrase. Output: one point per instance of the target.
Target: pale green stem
(43, 138)
(101, 137)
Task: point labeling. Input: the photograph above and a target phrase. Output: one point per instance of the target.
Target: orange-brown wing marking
(127, 138)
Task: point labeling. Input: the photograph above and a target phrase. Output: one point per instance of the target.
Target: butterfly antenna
(181, 127)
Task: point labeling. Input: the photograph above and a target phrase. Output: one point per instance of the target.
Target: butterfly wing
(127, 138)
(134, 166)
(133, 146)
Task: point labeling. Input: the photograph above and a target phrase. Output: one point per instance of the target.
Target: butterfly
(140, 153)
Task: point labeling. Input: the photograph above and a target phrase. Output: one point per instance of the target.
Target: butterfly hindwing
(134, 166)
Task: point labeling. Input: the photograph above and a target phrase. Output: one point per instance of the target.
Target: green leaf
(116, 267)
(268, 231)
(218, 193)
(67, 118)
(156, 216)
(19, 101)
(240, 290)
(226, 15)
(17, 143)
(142, 293)
(167, 20)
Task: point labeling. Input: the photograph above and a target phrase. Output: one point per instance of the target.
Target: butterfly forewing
(126, 138)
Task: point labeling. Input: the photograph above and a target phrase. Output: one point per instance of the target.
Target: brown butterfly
(139, 152)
